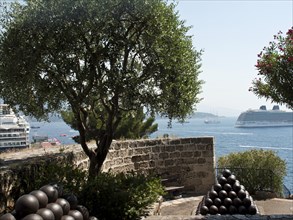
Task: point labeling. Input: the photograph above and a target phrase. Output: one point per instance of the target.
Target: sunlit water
(228, 139)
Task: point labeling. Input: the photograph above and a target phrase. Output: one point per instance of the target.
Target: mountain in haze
(204, 115)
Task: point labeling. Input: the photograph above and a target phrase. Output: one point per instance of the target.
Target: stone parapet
(190, 160)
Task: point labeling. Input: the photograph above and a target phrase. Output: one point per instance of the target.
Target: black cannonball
(214, 210)
(26, 204)
(242, 210)
(46, 214)
(72, 199)
(32, 217)
(56, 209)
(227, 202)
(241, 194)
(7, 216)
(223, 194)
(232, 194)
(233, 210)
(227, 187)
(252, 210)
(237, 202)
(208, 202)
(41, 196)
(223, 210)
(213, 194)
(93, 218)
(217, 187)
(64, 204)
(84, 211)
(231, 179)
(204, 210)
(242, 187)
(59, 188)
(236, 186)
(75, 214)
(246, 202)
(51, 192)
(217, 202)
(222, 180)
(226, 173)
(67, 217)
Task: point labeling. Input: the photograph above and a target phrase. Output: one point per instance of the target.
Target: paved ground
(185, 208)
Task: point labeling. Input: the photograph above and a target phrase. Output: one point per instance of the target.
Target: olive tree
(133, 125)
(275, 68)
(98, 58)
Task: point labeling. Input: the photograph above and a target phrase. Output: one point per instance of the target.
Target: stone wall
(190, 160)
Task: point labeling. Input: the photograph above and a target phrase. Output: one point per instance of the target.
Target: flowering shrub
(275, 68)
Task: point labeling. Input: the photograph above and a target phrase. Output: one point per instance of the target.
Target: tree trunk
(97, 159)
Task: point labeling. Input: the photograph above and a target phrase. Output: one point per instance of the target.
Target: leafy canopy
(98, 58)
(133, 125)
(115, 53)
(275, 66)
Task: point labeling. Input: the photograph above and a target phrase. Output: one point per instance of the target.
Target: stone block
(187, 154)
(156, 149)
(163, 155)
(174, 154)
(179, 147)
(169, 162)
(207, 153)
(201, 160)
(197, 153)
(170, 148)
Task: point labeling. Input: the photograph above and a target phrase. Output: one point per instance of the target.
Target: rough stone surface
(190, 160)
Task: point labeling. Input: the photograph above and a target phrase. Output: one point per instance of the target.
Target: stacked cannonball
(227, 197)
(48, 203)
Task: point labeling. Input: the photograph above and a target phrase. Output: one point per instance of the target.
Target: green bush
(63, 172)
(107, 196)
(121, 196)
(256, 169)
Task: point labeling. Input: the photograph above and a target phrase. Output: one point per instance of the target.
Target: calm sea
(227, 138)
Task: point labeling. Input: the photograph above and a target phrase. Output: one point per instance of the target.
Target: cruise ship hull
(262, 125)
(264, 118)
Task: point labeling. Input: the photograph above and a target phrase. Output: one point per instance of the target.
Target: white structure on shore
(14, 130)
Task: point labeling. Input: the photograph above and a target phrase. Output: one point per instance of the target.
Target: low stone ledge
(222, 217)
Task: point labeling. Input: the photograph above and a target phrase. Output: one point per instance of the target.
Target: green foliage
(98, 59)
(275, 66)
(133, 125)
(107, 196)
(121, 196)
(256, 169)
(63, 172)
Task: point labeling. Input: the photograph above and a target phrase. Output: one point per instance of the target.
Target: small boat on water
(40, 138)
(35, 127)
(212, 121)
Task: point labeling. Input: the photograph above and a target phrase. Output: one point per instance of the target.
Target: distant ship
(14, 130)
(212, 121)
(264, 118)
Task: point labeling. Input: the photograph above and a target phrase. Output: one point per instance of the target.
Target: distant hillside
(204, 115)
(52, 118)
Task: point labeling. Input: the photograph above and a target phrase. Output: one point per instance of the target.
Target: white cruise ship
(14, 131)
(264, 118)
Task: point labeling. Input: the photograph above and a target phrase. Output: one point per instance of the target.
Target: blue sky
(232, 33)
